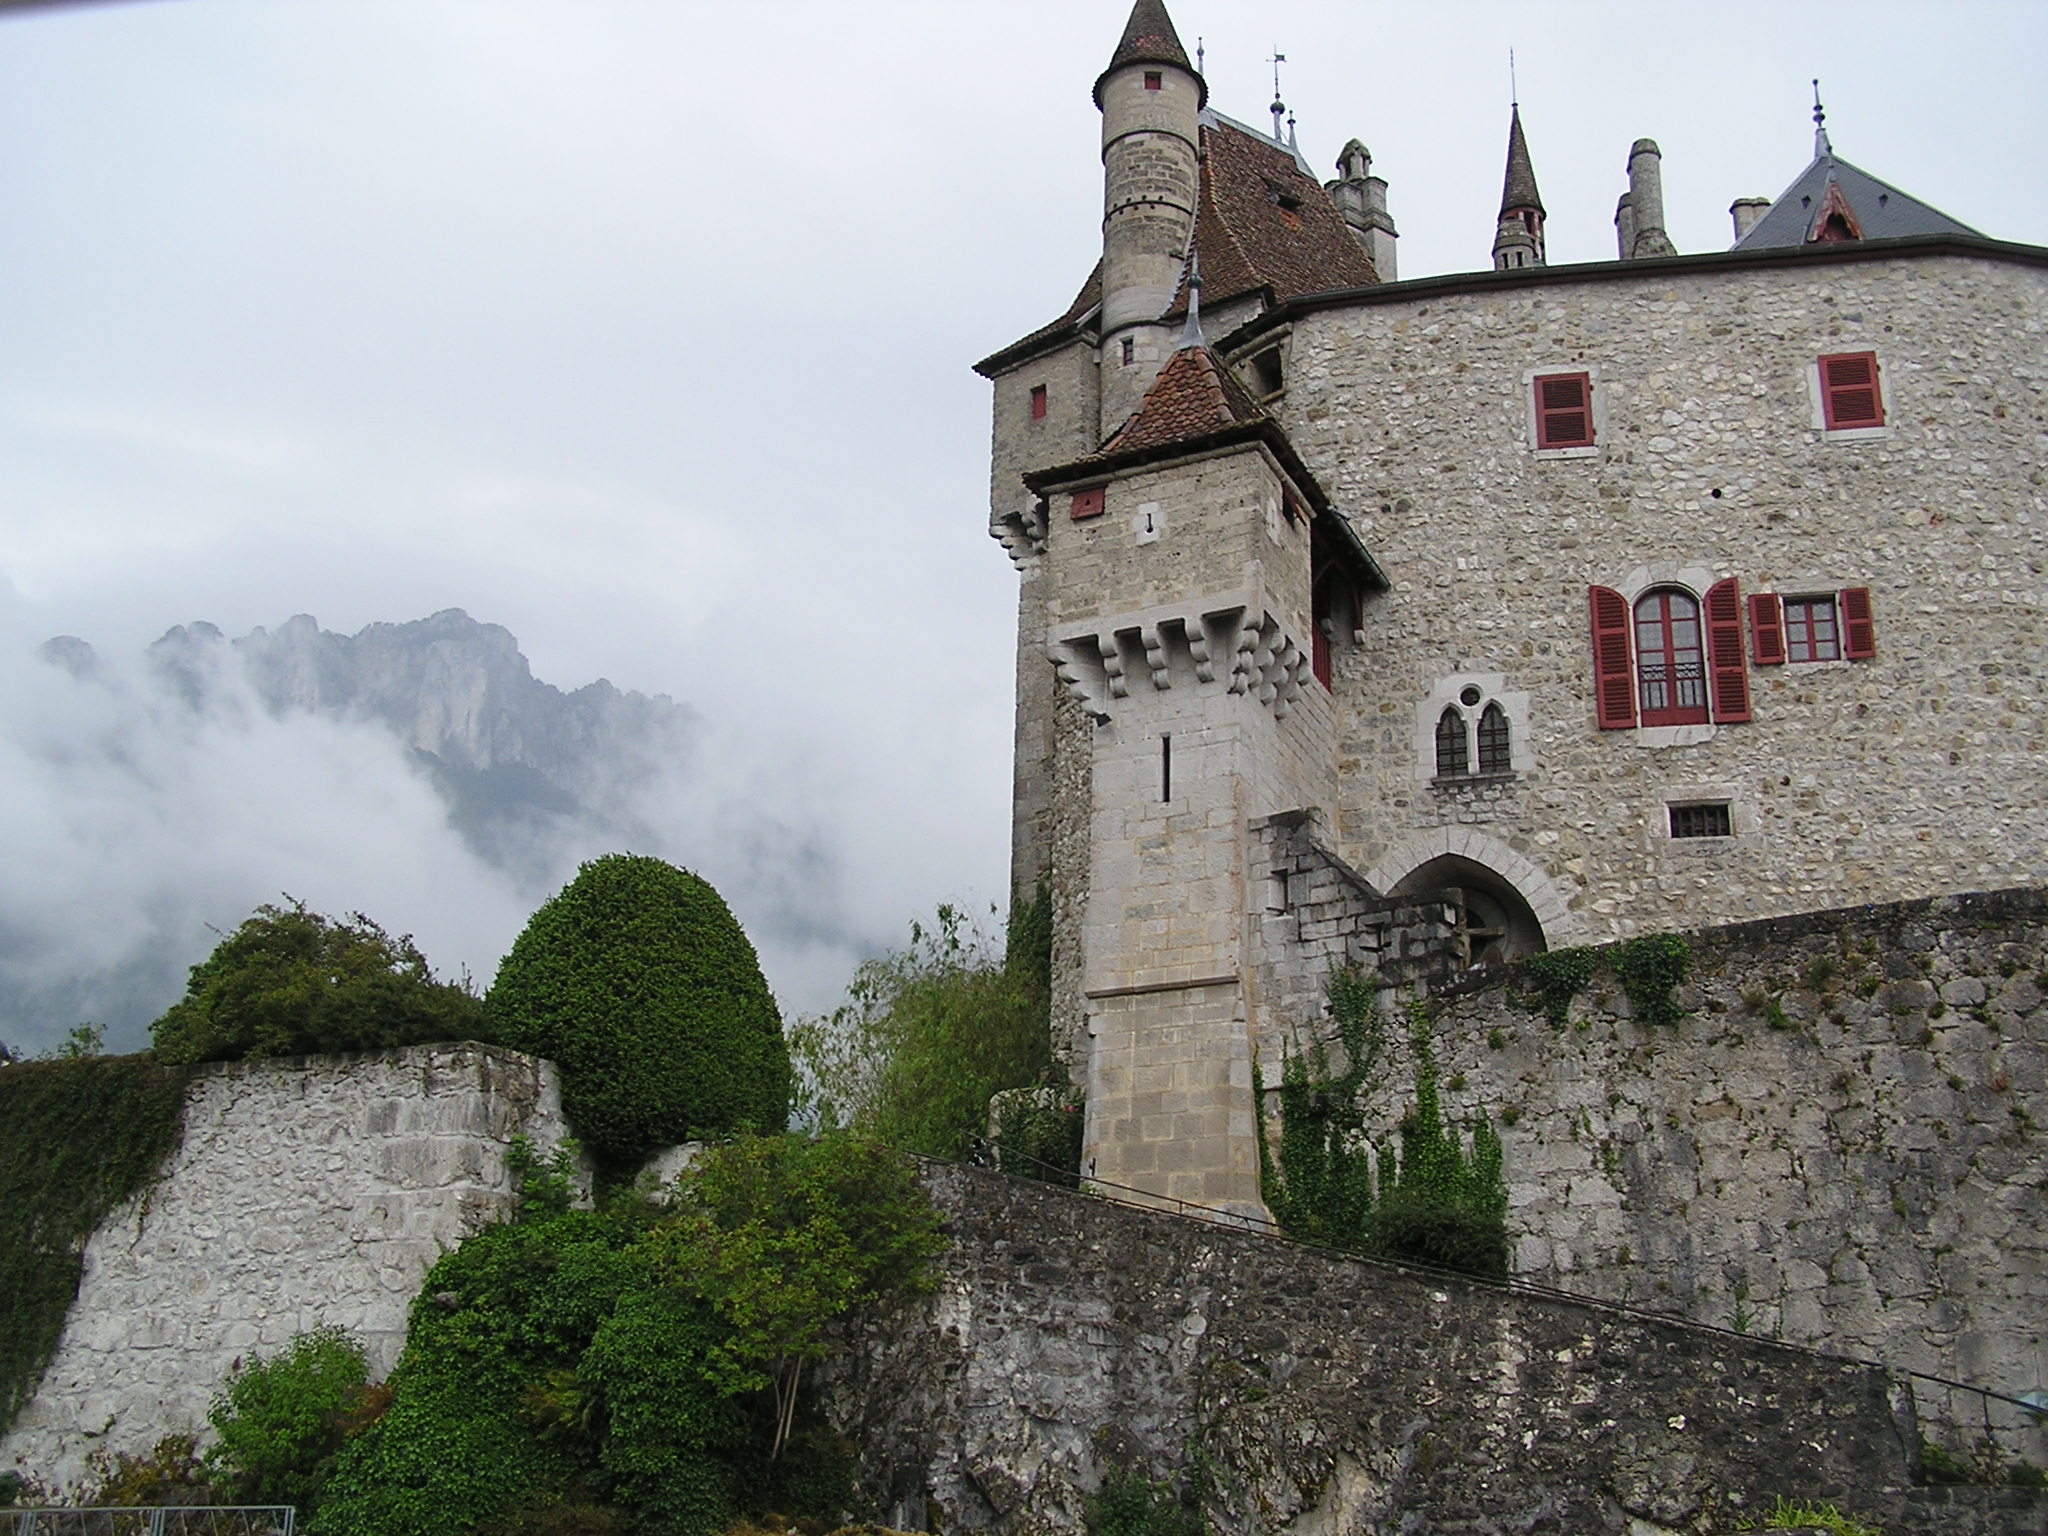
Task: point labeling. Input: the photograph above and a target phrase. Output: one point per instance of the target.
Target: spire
(1149, 38)
(1822, 149)
(1518, 191)
(1191, 333)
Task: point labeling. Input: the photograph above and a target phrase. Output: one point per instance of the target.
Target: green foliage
(291, 982)
(1791, 1515)
(583, 1372)
(929, 1034)
(547, 1184)
(1130, 1505)
(1650, 968)
(1039, 1133)
(1432, 1203)
(1560, 975)
(637, 982)
(78, 1136)
(282, 1421)
(172, 1473)
(83, 1040)
(781, 1235)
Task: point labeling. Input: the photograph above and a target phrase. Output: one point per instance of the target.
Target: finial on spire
(1514, 91)
(1279, 108)
(1292, 142)
(1191, 333)
(1821, 146)
(1200, 54)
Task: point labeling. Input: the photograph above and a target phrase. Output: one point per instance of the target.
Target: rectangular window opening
(1130, 351)
(1165, 768)
(1710, 819)
(1812, 632)
(1266, 375)
(1850, 394)
(1564, 410)
(1038, 402)
(1155, 80)
(1087, 503)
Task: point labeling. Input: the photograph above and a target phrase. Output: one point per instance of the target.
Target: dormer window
(1267, 379)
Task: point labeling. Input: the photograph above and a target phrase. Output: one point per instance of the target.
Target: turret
(1646, 202)
(1518, 237)
(1150, 98)
(1361, 198)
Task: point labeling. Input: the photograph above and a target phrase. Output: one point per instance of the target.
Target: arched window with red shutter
(1671, 658)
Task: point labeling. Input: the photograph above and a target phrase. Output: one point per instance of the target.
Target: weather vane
(1279, 106)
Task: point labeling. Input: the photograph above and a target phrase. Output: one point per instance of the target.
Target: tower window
(1452, 760)
(1711, 820)
(1130, 351)
(1564, 410)
(1087, 503)
(1154, 80)
(1038, 402)
(1267, 378)
(1849, 393)
(1493, 740)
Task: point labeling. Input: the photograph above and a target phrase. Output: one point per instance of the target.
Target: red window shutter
(1564, 410)
(1724, 652)
(1087, 503)
(1766, 629)
(1859, 629)
(1849, 391)
(1038, 402)
(1614, 673)
(1319, 654)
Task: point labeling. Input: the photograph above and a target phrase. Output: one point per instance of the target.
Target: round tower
(1151, 99)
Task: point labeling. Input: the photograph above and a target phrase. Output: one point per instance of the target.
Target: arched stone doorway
(1496, 926)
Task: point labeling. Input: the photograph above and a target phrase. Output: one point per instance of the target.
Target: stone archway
(1512, 908)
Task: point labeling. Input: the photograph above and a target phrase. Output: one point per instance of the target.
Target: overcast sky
(643, 329)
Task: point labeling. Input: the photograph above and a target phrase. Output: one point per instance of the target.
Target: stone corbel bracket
(1021, 532)
(1234, 641)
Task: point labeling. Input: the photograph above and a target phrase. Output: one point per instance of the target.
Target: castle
(1366, 621)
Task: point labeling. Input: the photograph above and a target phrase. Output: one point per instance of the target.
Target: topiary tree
(638, 983)
(290, 982)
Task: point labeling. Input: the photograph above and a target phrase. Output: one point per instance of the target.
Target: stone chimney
(1746, 211)
(1361, 198)
(1646, 201)
(1624, 227)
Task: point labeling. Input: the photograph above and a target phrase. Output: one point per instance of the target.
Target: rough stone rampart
(311, 1192)
(1841, 1144)
(1070, 1338)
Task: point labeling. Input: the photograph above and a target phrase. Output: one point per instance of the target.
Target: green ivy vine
(1650, 969)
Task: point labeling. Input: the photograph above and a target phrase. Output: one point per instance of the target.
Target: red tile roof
(1193, 397)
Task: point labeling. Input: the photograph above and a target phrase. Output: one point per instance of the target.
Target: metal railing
(154, 1520)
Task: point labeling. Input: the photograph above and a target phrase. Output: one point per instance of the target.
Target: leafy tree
(282, 1421)
(638, 983)
(929, 1034)
(781, 1235)
(291, 982)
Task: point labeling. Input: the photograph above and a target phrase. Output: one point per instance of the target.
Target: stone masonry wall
(1916, 772)
(1069, 1338)
(308, 1192)
(1842, 1144)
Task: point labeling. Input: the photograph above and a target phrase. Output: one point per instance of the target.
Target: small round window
(1469, 697)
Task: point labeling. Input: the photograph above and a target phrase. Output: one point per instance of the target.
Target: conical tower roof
(1519, 189)
(1149, 38)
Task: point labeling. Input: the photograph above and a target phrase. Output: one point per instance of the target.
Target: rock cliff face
(515, 757)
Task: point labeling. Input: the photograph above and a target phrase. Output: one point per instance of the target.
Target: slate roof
(1149, 38)
(1518, 189)
(1881, 209)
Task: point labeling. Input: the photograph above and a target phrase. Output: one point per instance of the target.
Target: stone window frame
(1446, 693)
(1696, 579)
(1597, 396)
(1744, 826)
(1816, 400)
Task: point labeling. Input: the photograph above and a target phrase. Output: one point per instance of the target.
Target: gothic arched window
(1493, 740)
(1453, 757)
(1671, 665)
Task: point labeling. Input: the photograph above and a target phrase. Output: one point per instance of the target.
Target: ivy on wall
(77, 1138)
(1429, 1202)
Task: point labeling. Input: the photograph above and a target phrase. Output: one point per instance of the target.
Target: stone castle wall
(1070, 1338)
(1915, 772)
(1843, 1144)
(311, 1192)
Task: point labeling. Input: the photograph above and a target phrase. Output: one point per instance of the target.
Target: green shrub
(636, 981)
(171, 1473)
(1039, 1135)
(290, 982)
(1560, 975)
(78, 1136)
(282, 1421)
(1650, 968)
(1441, 1206)
(929, 1034)
(1130, 1505)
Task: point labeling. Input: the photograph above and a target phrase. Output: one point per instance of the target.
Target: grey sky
(643, 329)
